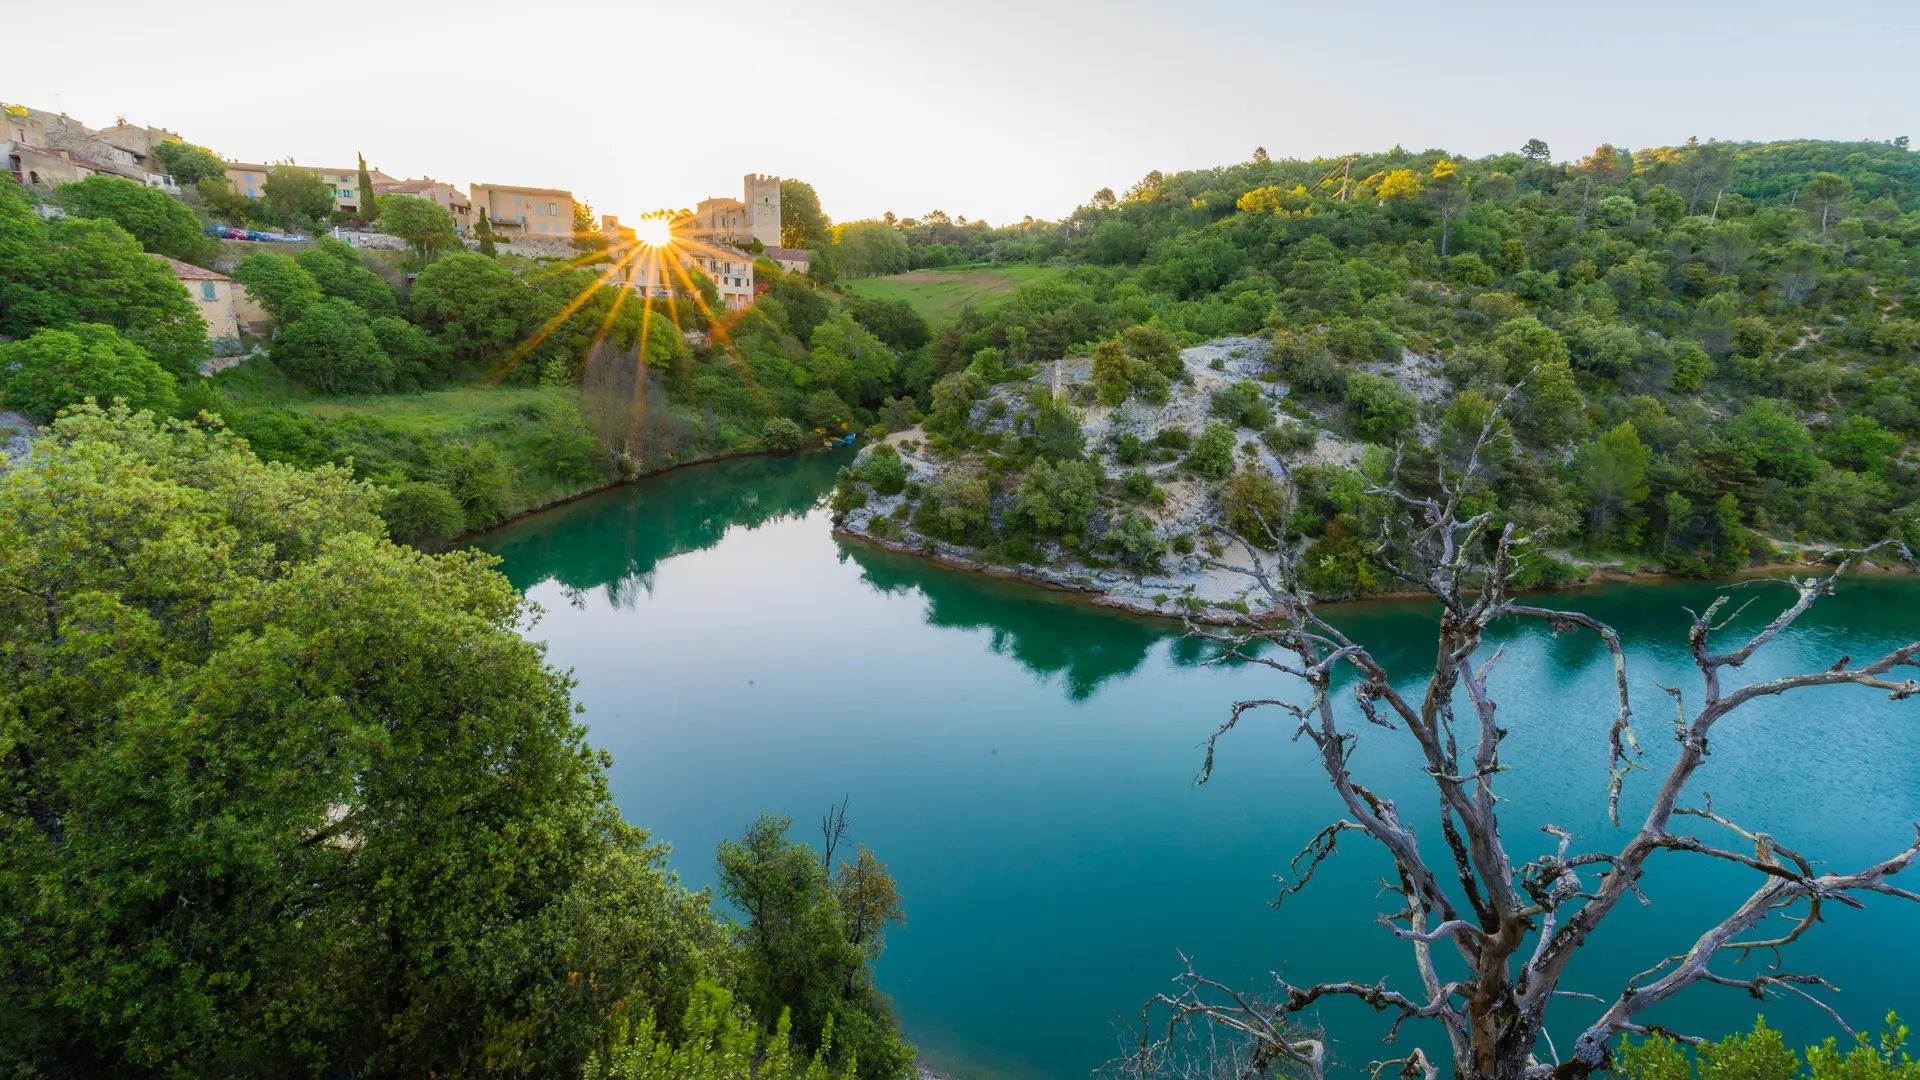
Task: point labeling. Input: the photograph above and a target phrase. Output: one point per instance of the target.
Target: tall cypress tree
(368, 210)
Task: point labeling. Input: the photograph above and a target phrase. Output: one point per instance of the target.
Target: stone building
(213, 295)
(45, 149)
(738, 222)
(524, 211)
(343, 184)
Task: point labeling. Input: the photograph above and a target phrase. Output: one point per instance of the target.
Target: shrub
(885, 471)
(1290, 436)
(476, 475)
(1254, 506)
(1136, 542)
(990, 364)
(898, 414)
(955, 509)
(1244, 404)
(56, 368)
(1154, 346)
(847, 494)
(1056, 499)
(331, 348)
(1172, 438)
(1137, 484)
(1212, 453)
(1128, 449)
(422, 513)
(566, 443)
(780, 433)
(1377, 408)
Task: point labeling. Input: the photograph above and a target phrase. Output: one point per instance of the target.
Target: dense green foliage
(57, 368)
(161, 223)
(1762, 1055)
(280, 797)
(1706, 350)
(57, 274)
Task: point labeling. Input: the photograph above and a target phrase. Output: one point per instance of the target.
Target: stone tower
(763, 208)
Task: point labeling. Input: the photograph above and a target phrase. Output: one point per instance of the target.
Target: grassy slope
(501, 415)
(939, 294)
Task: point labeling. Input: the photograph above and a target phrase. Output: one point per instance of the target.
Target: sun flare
(654, 232)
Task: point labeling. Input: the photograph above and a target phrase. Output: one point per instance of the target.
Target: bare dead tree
(833, 827)
(1493, 939)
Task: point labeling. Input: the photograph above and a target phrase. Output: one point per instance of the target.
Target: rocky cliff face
(1183, 507)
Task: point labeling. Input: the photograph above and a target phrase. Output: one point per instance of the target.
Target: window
(516, 200)
(249, 179)
(206, 291)
(250, 194)
(543, 226)
(553, 208)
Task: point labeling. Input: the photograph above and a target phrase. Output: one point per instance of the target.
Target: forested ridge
(1705, 350)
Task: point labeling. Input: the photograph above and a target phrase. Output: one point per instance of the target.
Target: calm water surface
(1024, 763)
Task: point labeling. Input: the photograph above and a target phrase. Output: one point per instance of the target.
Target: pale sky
(993, 109)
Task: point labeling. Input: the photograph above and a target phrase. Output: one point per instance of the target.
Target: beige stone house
(213, 294)
(524, 211)
(343, 185)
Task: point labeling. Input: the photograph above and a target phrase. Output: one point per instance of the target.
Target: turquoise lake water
(1024, 764)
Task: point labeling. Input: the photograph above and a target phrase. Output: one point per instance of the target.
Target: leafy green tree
(849, 360)
(1861, 444)
(56, 368)
(884, 470)
(190, 164)
(1826, 196)
(472, 302)
(1379, 410)
(1254, 506)
(369, 203)
(953, 398)
(415, 353)
(280, 796)
(332, 349)
(870, 249)
(990, 364)
(476, 475)
(780, 433)
(422, 514)
(161, 223)
(1110, 373)
(1691, 366)
(281, 286)
(565, 442)
(338, 270)
(954, 508)
(425, 225)
(1056, 499)
(1155, 346)
(97, 273)
(798, 958)
(1614, 469)
(1049, 427)
(296, 196)
(1136, 541)
(1780, 444)
(1212, 453)
(802, 224)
